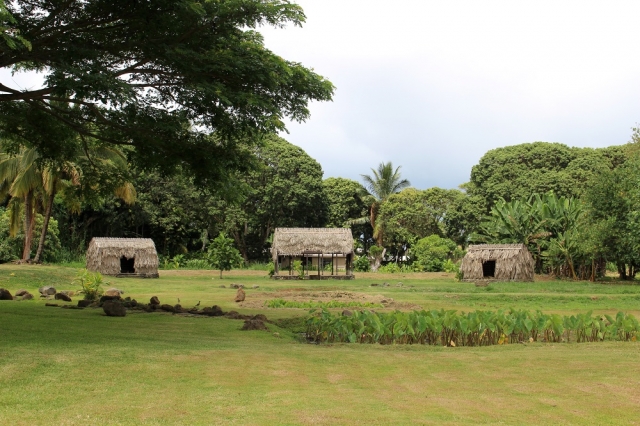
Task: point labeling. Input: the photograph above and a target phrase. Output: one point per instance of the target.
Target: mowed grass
(68, 367)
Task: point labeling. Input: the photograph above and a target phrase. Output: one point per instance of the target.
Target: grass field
(79, 367)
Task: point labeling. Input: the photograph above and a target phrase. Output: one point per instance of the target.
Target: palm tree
(34, 185)
(384, 182)
(21, 179)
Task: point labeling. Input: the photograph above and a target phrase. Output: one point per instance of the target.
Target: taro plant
(479, 328)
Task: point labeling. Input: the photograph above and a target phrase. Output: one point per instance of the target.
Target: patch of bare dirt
(257, 300)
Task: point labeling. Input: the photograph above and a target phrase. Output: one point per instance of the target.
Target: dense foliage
(184, 83)
(479, 328)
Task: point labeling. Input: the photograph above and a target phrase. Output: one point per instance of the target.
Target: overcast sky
(433, 85)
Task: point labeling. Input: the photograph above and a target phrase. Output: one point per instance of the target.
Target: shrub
(390, 268)
(361, 264)
(11, 247)
(90, 284)
(197, 264)
(430, 253)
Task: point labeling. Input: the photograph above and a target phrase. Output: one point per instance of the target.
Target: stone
(154, 301)
(167, 308)
(114, 292)
(177, 308)
(347, 313)
(260, 317)
(114, 308)
(47, 291)
(374, 285)
(134, 303)
(63, 297)
(399, 285)
(256, 286)
(222, 286)
(5, 294)
(21, 292)
(240, 296)
(237, 286)
(52, 305)
(69, 293)
(234, 315)
(84, 303)
(27, 296)
(253, 325)
(385, 284)
(105, 298)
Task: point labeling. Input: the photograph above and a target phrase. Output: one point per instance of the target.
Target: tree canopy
(179, 81)
(518, 171)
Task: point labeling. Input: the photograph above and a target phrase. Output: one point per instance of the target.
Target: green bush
(431, 253)
(361, 264)
(197, 264)
(90, 284)
(390, 268)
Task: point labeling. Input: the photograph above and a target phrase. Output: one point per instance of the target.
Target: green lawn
(68, 367)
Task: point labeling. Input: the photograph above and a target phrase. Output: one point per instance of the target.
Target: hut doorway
(489, 269)
(127, 265)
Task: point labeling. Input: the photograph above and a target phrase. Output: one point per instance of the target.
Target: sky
(433, 85)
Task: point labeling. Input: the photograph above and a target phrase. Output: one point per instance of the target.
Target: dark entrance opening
(127, 265)
(489, 269)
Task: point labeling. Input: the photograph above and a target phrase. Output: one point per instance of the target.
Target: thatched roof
(297, 241)
(103, 255)
(513, 262)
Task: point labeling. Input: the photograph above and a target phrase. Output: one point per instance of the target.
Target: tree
(384, 182)
(159, 76)
(614, 211)
(413, 214)
(223, 255)
(283, 190)
(344, 201)
(430, 253)
(33, 184)
(516, 172)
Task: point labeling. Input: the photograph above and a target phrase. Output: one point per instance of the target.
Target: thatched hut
(324, 252)
(123, 257)
(499, 262)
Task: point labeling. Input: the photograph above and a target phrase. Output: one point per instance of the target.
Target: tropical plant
(223, 255)
(385, 181)
(478, 328)
(90, 284)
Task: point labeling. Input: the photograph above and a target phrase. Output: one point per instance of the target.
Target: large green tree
(159, 76)
(518, 171)
(344, 201)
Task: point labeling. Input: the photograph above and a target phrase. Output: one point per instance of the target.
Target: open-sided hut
(123, 257)
(317, 248)
(499, 262)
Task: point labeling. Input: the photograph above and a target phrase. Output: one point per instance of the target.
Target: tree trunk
(45, 227)
(29, 222)
(622, 271)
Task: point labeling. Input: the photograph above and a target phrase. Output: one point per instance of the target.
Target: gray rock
(27, 296)
(113, 292)
(84, 303)
(5, 294)
(256, 286)
(347, 313)
(21, 292)
(154, 301)
(69, 293)
(47, 290)
(114, 308)
(222, 286)
(374, 285)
